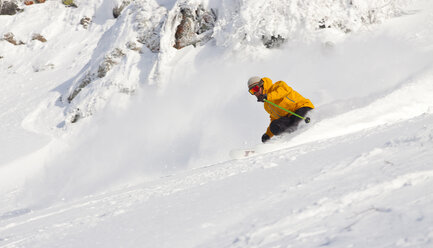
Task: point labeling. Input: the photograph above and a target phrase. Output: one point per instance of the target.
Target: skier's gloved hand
(265, 138)
(262, 97)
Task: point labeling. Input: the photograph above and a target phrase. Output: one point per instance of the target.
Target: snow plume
(160, 133)
(198, 109)
(206, 112)
(138, 49)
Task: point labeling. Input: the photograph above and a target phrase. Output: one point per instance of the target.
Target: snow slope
(376, 193)
(155, 171)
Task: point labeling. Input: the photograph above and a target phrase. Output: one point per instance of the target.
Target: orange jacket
(283, 95)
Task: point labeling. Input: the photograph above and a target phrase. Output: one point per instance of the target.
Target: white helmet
(253, 81)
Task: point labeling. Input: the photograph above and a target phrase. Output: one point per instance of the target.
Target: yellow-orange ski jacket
(283, 95)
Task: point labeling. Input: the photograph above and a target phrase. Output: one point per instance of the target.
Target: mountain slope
(152, 169)
(375, 193)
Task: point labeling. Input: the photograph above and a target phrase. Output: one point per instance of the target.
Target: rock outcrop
(39, 37)
(118, 9)
(10, 37)
(151, 24)
(85, 22)
(110, 60)
(9, 8)
(273, 41)
(196, 26)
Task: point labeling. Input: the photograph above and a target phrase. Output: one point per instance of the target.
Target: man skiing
(284, 96)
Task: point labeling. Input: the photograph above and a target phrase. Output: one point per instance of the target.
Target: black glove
(265, 138)
(262, 97)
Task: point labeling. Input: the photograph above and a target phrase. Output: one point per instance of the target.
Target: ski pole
(307, 120)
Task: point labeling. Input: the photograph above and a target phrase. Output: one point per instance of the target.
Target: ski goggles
(254, 90)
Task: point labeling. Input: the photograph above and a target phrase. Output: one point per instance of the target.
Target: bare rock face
(196, 27)
(9, 8)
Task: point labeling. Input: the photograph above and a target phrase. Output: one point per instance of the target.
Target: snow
(151, 168)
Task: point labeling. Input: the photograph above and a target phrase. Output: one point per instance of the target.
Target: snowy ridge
(93, 86)
(249, 21)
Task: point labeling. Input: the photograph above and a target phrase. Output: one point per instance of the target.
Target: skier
(284, 96)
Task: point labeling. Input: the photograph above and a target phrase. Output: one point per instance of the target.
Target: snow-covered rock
(10, 37)
(118, 9)
(85, 21)
(142, 22)
(142, 43)
(240, 25)
(196, 26)
(117, 51)
(251, 23)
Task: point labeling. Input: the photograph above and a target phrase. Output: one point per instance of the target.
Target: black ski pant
(287, 123)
